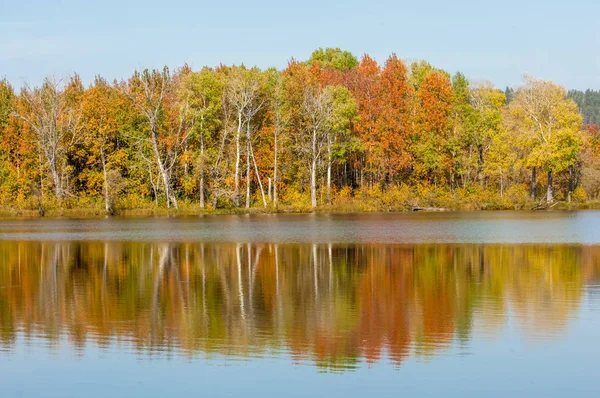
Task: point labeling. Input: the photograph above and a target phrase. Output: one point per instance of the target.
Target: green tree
(205, 92)
(334, 57)
(339, 139)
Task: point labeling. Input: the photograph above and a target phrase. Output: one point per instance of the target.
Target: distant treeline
(588, 103)
(329, 131)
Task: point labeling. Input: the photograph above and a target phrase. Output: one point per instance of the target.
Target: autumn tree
(52, 112)
(501, 159)
(487, 103)
(102, 113)
(6, 103)
(279, 112)
(434, 102)
(476, 117)
(395, 121)
(327, 113)
(316, 107)
(549, 124)
(244, 92)
(365, 85)
(591, 157)
(205, 92)
(7, 98)
(292, 137)
(154, 94)
(338, 128)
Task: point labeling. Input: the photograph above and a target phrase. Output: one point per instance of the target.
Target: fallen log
(417, 208)
(544, 206)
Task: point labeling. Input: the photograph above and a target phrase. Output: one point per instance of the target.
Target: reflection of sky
(507, 365)
(479, 227)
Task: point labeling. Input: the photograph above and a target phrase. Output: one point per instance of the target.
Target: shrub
(517, 196)
(395, 197)
(579, 195)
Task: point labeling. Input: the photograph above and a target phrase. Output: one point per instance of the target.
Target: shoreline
(10, 213)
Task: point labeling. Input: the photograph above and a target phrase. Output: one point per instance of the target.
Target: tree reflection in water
(331, 305)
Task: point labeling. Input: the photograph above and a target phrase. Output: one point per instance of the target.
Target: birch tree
(328, 112)
(205, 94)
(154, 94)
(317, 108)
(53, 115)
(278, 110)
(244, 92)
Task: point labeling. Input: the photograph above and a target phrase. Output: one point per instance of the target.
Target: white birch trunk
(313, 171)
(236, 199)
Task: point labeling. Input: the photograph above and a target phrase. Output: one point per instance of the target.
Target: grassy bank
(351, 206)
(392, 198)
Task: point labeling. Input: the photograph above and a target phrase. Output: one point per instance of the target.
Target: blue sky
(499, 41)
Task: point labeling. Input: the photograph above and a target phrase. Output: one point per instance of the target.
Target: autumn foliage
(331, 131)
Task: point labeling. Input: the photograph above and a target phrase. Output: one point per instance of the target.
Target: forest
(331, 133)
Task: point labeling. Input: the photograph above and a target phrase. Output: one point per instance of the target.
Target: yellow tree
(101, 110)
(549, 124)
(487, 103)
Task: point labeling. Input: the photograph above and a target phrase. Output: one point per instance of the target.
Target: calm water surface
(469, 305)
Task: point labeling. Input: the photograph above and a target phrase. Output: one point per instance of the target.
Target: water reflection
(331, 305)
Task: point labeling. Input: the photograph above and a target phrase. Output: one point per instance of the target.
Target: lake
(490, 304)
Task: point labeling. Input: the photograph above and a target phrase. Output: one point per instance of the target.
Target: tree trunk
(550, 191)
(201, 168)
(361, 178)
(328, 171)
(533, 182)
(275, 147)
(163, 172)
(107, 206)
(154, 188)
(313, 171)
(480, 164)
(329, 182)
(571, 185)
(269, 190)
(58, 192)
(262, 191)
(248, 175)
(236, 197)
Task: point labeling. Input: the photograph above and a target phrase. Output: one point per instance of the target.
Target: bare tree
(317, 107)
(55, 120)
(153, 94)
(246, 99)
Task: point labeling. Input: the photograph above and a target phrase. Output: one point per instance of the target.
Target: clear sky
(496, 41)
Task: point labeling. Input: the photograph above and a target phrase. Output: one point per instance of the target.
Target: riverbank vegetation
(332, 133)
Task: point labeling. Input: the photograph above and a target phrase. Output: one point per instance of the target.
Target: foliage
(331, 130)
(334, 57)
